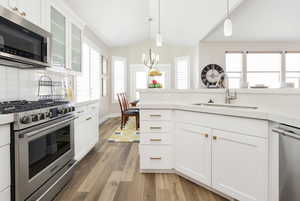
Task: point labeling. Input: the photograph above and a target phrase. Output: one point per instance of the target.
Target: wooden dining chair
(127, 104)
(125, 113)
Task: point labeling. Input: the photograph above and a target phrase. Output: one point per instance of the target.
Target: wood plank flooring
(111, 173)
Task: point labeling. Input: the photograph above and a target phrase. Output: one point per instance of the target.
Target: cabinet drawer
(155, 157)
(155, 126)
(5, 195)
(4, 167)
(156, 138)
(4, 135)
(156, 115)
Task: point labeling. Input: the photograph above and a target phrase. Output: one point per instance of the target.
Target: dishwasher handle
(286, 133)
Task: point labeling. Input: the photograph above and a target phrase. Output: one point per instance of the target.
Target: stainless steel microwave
(22, 43)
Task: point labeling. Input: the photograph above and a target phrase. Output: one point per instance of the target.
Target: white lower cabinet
(86, 130)
(240, 166)
(5, 195)
(228, 157)
(192, 152)
(4, 167)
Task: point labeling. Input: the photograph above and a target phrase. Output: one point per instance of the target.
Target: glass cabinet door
(76, 48)
(58, 30)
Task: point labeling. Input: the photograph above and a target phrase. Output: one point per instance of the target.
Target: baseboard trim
(109, 116)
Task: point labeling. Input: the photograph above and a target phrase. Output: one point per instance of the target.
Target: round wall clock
(210, 75)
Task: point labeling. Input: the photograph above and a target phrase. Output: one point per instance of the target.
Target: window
(234, 66)
(293, 68)
(264, 69)
(182, 73)
(119, 76)
(88, 82)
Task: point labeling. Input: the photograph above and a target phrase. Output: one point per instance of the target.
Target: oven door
(40, 152)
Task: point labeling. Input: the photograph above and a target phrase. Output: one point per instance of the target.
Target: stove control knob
(35, 117)
(73, 109)
(48, 114)
(66, 110)
(25, 120)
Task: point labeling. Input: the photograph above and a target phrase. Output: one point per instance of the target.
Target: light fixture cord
(159, 16)
(227, 8)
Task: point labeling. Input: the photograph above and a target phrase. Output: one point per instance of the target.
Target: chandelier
(151, 59)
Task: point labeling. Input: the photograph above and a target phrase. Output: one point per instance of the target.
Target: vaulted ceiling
(263, 20)
(123, 22)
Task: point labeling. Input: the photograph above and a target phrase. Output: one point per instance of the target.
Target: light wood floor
(111, 173)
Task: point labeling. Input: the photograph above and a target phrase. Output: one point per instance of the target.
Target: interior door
(240, 165)
(193, 152)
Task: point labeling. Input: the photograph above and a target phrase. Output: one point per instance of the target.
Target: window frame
(113, 59)
(240, 78)
(98, 50)
(188, 59)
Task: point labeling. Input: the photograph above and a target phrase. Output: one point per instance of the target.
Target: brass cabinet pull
(155, 140)
(155, 115)
(155, 127)
(215, 137)
(155, 158)
(89, 118)
(23, 14)
(15, 9)
(80, 111)
(206, 135)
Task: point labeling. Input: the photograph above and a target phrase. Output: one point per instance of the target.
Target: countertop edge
(6, 118)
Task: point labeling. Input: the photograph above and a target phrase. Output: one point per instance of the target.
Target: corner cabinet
(225, 153)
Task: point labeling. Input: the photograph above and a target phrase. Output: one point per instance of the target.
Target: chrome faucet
(223, 83)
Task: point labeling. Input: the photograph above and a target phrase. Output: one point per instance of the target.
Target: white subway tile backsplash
(22, 84)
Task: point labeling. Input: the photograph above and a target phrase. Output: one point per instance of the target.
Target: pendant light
(158, 35)
(228, 23)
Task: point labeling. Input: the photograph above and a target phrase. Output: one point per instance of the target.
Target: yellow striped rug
(128, 134)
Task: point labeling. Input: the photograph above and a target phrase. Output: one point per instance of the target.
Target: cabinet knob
(23, 14)
(15, 9)
(215, 137)
(206, 135)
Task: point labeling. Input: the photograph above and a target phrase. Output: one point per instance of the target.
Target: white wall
(167, 53)
(214, 52)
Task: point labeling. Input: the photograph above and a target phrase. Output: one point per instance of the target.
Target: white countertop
(6, 118)
(274, 116)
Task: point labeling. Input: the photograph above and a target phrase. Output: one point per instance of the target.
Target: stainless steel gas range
(42, 148)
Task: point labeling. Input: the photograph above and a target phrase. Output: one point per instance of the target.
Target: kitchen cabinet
(86, 130)
(4, 167)
(228, 154)
(240, 165)
(58, 30)
(31, 10)
(193, 152)
(76, 48)
(5, 195)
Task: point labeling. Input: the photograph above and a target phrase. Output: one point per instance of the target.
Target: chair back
(121, 103)
(126, 103)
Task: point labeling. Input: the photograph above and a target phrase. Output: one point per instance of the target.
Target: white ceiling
(263, 20)
(123, 22)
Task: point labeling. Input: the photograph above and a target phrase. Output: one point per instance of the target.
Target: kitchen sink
(226, 106)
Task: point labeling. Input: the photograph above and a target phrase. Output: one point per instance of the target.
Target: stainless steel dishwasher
(289, 162)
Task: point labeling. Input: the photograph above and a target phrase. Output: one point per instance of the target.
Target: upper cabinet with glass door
(58, 30)
(76, 48)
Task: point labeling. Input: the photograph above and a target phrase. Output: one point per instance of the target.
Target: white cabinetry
(240, 165)
(31, 10)
(156, 140)
(86, 130)
(228, 154)
(193, 152)
(5, 180)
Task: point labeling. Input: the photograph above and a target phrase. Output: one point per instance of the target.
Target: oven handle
(33, 133)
